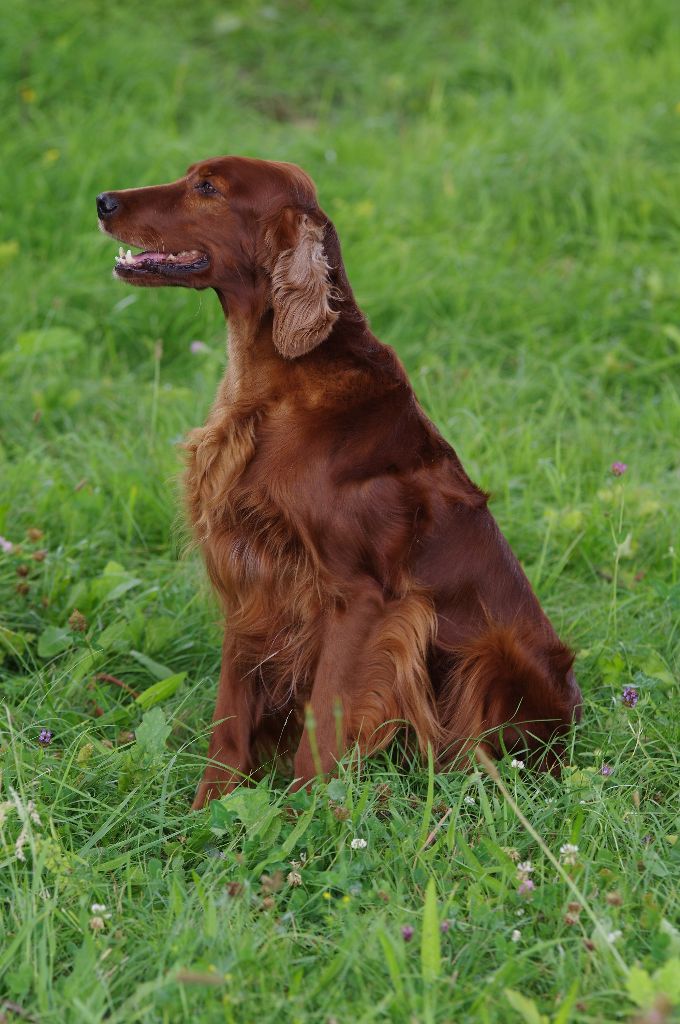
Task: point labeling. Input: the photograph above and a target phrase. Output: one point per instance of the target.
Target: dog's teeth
(121, 253)
(128, 257)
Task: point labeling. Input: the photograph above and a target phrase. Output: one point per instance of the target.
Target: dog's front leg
(231, 740)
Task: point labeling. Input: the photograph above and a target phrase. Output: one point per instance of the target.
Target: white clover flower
(294, 878)
(525, 868)
(469, 800)
(99, 916)
(358, 844)
(516, 763)
(613, 936)
(569, 853)
(516, 935)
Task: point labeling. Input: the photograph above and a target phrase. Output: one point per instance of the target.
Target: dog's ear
(301, 287)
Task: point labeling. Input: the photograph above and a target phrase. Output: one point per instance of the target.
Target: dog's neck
(251, 356)
(257, 373)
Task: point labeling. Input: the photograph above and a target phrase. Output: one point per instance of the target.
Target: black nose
(106, 204)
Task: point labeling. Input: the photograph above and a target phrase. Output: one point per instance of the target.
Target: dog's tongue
(130, 258)
(157, 257)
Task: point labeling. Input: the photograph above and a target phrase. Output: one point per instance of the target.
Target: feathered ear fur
(302, 291)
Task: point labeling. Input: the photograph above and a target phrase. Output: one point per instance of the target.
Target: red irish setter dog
(365, 583)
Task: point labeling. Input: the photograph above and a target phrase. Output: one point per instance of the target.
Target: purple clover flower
(407, 932)
(45, 737)
(525, 887)
(197, 347)
(6, 546)
(444, 927)
(619, 468)
(606, 770)
(630, 696)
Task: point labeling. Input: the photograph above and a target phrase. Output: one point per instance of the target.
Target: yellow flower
(50, 155)
(28, 95)
(326, 895)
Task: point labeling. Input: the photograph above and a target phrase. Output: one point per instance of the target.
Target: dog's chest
(245, 516)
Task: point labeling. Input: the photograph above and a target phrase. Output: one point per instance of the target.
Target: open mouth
(187, 261)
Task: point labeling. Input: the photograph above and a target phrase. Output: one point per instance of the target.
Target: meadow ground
(503, 177)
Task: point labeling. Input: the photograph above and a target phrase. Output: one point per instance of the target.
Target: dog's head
(251, 229)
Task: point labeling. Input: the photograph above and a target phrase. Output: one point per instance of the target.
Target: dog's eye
(205, 188)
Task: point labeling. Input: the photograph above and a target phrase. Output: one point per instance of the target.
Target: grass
(504, 180)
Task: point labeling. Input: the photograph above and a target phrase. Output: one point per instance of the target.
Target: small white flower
(294, 878)
(525, 868)
(550, 800)
(469, 800)
(569, 852)
(6, 545)
(516, 935)
(613, 936)
(197, 347)
(516, 763)
(520, 912)
(358, 844)
(98, 908)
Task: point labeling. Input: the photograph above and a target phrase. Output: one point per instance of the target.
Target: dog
(365, 583)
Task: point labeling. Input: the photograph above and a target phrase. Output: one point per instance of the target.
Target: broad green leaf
(667, 980)
(526, 1007)
(114, 581)
(121, 588)
(299, 830)
(220, 816)
(115, 637)
(158, 632)
(53, 640)
(640, 987)
(152, 733)
(253, 809)
(249, 805)
(155, 668)
(336, 790)
(160, 691)
(655, 667)
(430, 946)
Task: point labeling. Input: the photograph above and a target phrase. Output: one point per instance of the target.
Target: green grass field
(503, 176)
